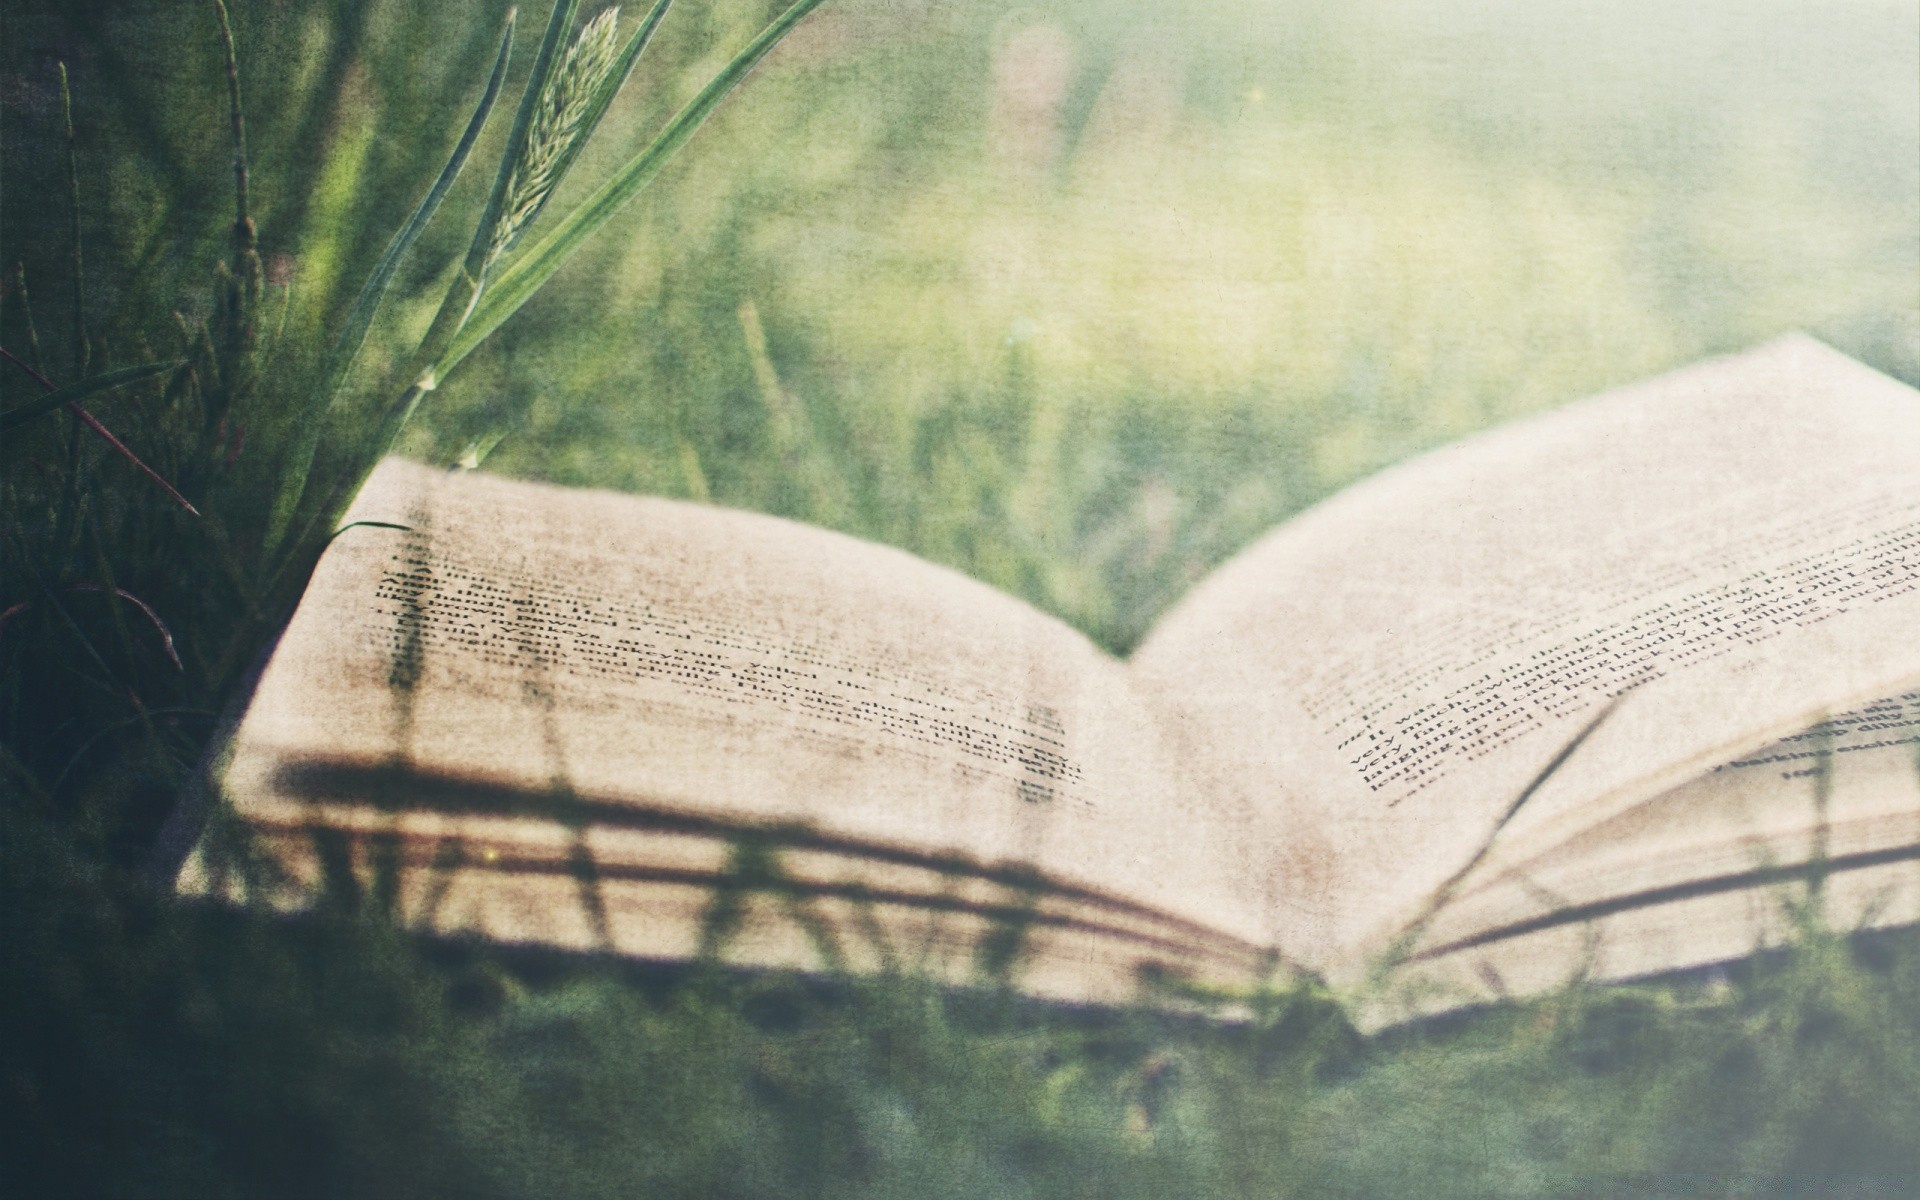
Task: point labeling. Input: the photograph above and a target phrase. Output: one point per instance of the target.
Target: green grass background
(1078, 297)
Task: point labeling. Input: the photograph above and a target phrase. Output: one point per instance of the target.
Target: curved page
(1824, 825)
(1731, 548)
(587, 683)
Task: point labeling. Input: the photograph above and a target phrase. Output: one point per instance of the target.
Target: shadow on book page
(460, 855)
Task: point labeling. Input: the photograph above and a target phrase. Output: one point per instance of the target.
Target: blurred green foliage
(1078, 297)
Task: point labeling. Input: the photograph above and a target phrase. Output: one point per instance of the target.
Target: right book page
(1824, 823)
(1735, 547)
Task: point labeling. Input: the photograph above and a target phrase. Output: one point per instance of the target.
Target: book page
(1731, 548)
(471, 646)
(1823, 825)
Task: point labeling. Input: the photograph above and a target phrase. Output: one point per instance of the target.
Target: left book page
(573, 717)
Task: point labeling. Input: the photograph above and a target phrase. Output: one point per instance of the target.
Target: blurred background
(1077, 296)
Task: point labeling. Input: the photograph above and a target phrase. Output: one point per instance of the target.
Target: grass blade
(243, 283)
(524, 276)
(464, 292)
(353, 335)
(81, 351)
(20, 414)
(243, 233)
(26, 314)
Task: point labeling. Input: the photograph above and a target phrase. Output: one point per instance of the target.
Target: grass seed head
(557, 122)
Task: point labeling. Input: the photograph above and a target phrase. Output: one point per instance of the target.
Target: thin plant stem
(243, 231)
(26, 312)
(1443, 895)
(81, 352)
(346, 348)
(470, 280)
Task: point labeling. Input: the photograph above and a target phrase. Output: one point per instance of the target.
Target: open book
(1598, 694)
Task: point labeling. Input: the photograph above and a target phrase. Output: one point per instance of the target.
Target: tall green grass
(1078, 297)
